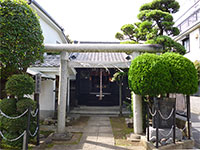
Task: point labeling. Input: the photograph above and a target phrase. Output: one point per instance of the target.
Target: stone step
(95, 110)
(86, 112)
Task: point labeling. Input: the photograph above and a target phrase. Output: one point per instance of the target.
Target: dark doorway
(94, 87)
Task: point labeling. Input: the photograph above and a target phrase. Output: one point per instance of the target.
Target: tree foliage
(150, 74)
(184, 78)
(20, 85)
(17, 86)
(21, 37)
(156, 26)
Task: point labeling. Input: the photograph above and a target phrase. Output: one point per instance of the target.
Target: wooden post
(188, 115)
(147, 122)
(28, 127)
(174, 123)
(36, 98)
(157, 121)
(120, 97)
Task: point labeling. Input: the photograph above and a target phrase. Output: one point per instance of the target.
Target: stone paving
(97, 135)
(195, 118)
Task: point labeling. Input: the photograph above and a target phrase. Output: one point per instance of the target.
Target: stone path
(195, 118)
(97, 135)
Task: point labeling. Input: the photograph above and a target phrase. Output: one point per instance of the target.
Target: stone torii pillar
(62, 92)
(66, 48)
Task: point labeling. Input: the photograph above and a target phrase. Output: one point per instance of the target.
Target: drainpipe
(68, 95)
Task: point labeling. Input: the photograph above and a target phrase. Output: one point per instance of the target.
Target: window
(186, 44)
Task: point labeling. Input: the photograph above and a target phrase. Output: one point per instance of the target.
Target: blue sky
(95, 20)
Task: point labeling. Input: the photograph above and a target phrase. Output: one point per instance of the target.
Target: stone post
(62, 95)
(137, 113)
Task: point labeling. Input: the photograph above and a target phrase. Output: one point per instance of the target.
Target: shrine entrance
(94, 87)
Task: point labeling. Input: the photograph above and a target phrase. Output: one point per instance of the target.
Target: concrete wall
(47, 99)
(195, 104)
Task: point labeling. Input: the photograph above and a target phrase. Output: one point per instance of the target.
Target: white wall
(194, 53)
(47, 98)
(47, 95)
(51, 31)
(195, 103)
(50, 34)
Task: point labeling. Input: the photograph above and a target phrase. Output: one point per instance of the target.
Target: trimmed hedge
(183, 72)
(8, 106)
(24, 104)
(150, 74)
(19, 85)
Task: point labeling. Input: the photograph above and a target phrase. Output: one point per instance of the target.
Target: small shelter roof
(88, 60)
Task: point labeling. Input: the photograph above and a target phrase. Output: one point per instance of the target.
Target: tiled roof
(101, 57)
(49, 61)
(54, 60)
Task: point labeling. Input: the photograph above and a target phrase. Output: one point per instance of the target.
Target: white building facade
(189, 26)
(53, 34)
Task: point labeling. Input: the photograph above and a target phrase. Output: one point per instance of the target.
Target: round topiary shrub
(8, 106)
(19, 85)
(24, 104)
(184, 77)
(148, 75)
(21, 36)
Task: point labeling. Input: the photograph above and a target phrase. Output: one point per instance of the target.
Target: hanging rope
(152, 114)
(12, 140)
(17, 117)
(101, 86)
(166, 118)
(34, 115)
(34, 134)
(166, 135)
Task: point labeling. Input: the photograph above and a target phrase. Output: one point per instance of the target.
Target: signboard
(37, 83)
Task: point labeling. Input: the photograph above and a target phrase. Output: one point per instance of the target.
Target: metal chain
(181, 113)
(152, 114)
(36, 130)
(34, 115)
(166, 118)
(3, 114)
(12, 140)
(168, 133)
(183, 128)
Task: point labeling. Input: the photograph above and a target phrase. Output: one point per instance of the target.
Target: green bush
(148, 75)
(8, 106)
(19, 85)
(12, 128)
(184, 78)
(21, 36)
(24, 104)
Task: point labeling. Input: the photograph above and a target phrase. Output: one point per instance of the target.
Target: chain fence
(26, 133)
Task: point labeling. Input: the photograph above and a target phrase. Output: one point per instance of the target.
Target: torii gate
(66, 48)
